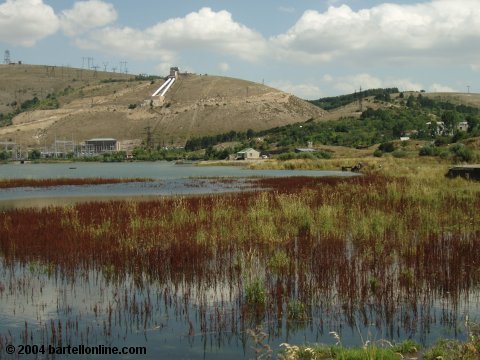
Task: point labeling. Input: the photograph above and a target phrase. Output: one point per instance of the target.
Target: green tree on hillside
(450, 119)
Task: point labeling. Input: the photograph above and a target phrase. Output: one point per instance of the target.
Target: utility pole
(148, 129)
(360, 100)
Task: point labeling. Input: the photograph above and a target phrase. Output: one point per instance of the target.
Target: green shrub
(378, 153)
(428, 151)
(399, 153)
(461, 152)
(387, 147)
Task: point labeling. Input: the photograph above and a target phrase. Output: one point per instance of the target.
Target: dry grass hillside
(98, 104)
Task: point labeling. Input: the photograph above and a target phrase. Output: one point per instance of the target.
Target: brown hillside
(93, 106)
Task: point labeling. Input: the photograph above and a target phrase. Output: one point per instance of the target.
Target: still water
(170, 179)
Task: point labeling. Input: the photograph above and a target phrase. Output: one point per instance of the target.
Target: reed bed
(14, 183)
(319, 252)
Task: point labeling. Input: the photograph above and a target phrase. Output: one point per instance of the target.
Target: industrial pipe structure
(168, 86)
(164, 85)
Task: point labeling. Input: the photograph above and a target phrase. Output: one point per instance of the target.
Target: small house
(462, 126)
(248, 154)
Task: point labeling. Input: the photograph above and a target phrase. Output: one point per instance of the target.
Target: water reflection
(195, 313)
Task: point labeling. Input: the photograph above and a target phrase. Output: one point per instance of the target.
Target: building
(462, 126)
(248, 154)
(102, 145)
(174, 72)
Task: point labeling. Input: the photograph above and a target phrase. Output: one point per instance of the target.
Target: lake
(171, 179)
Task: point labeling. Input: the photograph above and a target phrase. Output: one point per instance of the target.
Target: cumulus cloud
(87, 15)
(397, 32)
(304, 91)
(203, 30)
(440, 88)
(224, 67)
(352, 83)
(25, 22)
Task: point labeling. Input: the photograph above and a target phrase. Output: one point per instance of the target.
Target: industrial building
(102, 145)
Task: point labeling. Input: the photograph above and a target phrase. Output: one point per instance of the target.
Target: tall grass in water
(366, 249)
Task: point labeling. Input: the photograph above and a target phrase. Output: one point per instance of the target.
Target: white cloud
(163, 68)
(25, 22)
(441, 88)
(440, 29)
(327, 78)
(224, 67)
(205, 30)
(87, 15)
(304, 91)
(350, 84)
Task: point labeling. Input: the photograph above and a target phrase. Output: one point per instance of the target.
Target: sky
(310, 48)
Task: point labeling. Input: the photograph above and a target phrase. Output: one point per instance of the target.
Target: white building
(248, 154)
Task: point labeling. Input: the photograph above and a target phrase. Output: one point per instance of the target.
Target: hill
(45, 103)
(384, 118)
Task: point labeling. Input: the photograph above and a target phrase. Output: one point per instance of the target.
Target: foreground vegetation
(349, 251)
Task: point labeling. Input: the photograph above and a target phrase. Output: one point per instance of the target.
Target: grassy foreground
(400, 236)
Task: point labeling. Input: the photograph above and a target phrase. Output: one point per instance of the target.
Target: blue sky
(311, 48)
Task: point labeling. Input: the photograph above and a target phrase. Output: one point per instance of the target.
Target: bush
(461, 152)
(305, 155)
(399, 153)
(442, 140)
(4, 155)
(378, 153)
(428, 151)
(34, 154)
(387, 147)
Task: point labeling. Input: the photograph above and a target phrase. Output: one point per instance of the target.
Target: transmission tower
(149, 134)
(105, 64)
(6, 58)
(360, 100)
(95, 68)
(123, 65)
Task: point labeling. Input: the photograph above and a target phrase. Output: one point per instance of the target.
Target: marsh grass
(399, 237)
